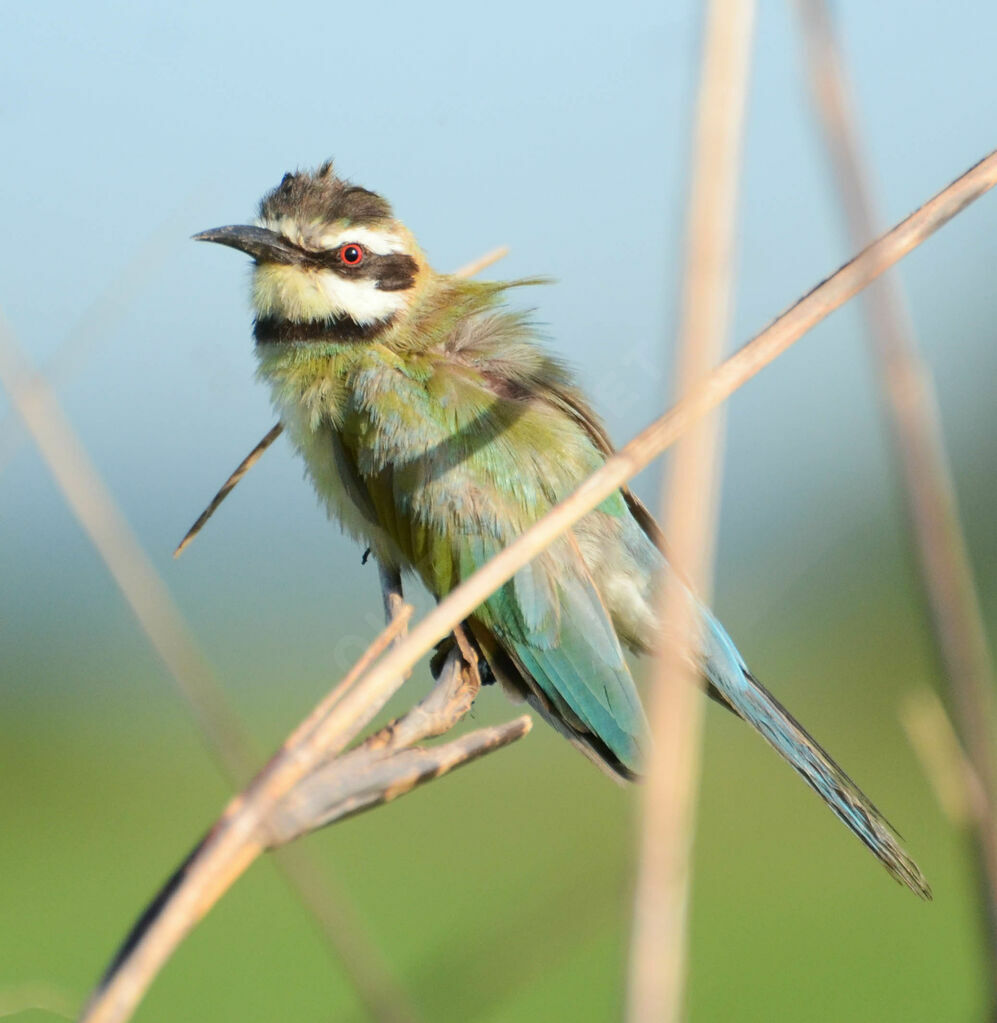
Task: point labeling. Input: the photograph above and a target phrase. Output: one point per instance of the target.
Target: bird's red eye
(351, 255)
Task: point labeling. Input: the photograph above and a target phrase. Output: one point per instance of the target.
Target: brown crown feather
(321, 197)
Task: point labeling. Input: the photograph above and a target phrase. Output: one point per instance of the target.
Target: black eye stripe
(396, 272)
(391, 271)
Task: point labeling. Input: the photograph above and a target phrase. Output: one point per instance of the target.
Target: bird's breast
(314, 400)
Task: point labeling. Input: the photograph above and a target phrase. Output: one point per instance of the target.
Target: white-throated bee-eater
(436, 429)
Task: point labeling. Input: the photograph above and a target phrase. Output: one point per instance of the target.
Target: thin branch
(946, 572)
(387, 778)
(304, 788)
(192, 889)
(467, 270)
(229, 485)
(690, 498)
(238, 837)
(166, 631)
(325, 791)
(384, 766)
(483, 262)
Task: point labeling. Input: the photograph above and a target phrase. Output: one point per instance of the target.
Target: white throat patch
(359, 299)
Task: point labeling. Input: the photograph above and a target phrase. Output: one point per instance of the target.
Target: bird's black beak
(263, 245)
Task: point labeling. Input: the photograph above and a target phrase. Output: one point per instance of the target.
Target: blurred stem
(946, 573)
(659, 953)
(167, 632)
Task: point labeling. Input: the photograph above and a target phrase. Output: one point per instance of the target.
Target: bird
(436, 427)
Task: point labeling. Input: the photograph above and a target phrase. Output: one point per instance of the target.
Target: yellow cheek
(289, 292)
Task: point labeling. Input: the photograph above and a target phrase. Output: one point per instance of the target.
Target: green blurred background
(501, 893)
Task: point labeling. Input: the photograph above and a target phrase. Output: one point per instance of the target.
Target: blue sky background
(128, 127)
(563, 133)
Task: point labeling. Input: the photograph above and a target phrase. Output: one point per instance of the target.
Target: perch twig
(384, 765)
(305, 786)
(171, 638)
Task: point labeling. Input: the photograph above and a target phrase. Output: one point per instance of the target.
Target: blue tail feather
(749, 699)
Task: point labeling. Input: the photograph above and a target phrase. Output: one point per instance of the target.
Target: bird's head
(332, 263)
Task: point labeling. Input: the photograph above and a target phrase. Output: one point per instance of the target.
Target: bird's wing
(550, 621)
(454, 474)
(731, 683)
(568, 399)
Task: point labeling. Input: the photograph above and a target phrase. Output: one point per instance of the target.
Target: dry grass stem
(943, 760)
(946, 572)
(467, 270)
(165, 629)
(243, 467)
(385, 766)
(659, 942)
(207, 873)
(483, 262)
(348, 785)
(302, 788)
(235, 841)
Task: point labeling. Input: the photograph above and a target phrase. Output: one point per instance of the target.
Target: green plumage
(437, 430)
(455, 432)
